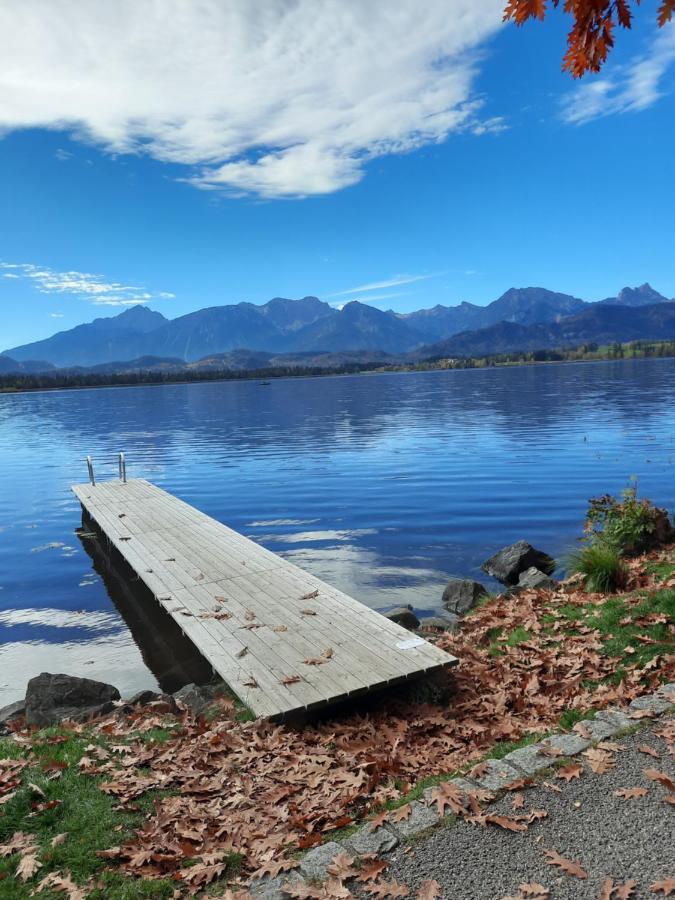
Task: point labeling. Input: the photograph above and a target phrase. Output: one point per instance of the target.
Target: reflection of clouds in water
(271, 523)
(359, 573)
(95, 620)
(302, 537)
(53, 545)
(116, 659)
(88, 579)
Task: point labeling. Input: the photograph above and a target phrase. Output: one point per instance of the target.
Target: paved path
(622, 839)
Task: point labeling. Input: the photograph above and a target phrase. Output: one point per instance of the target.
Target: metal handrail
(121, 467)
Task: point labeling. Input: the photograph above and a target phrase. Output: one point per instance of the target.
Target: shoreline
(263, 375)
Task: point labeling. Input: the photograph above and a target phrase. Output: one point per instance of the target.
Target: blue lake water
(383, 485)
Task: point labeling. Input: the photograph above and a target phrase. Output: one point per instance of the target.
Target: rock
(442, 623)
(142, 698)
(403, 615)
(365, 841)
(314, 864)
(462, 594)
(497, 775)
(194, 697)
(507, 565)
(52, 698)
(421, 818)
(535, 578)
(8, 713)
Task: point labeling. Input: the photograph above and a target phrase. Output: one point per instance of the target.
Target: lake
(383, 485)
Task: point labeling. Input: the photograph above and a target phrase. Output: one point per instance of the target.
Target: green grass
(570, 717)
(662, 570)
(601, 565)
(503, 748)
(81, 810)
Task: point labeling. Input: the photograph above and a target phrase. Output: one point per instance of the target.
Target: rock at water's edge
(535, 578)
(52, 698)
(462, 594)
(507, 565)
(403, 615)
(443, 623)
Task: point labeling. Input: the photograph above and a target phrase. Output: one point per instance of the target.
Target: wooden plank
(279, 616)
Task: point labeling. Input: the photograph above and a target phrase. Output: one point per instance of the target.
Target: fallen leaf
(428, 890)
(518, 801)
(446, 794)
(650, 751)
(290, 679)
(342, 866)
(570, 771)
(553, 858)
(59, 839)
(372, 869)
(310, 596)
(666, 886)
(631, 793)
(28, 864)
(599, 760)
(661, 777)
(534, 889)
(377, 821)
(308, 612)
(401, 814)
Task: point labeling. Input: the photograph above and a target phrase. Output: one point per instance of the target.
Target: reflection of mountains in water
(353, 411)
(169, 655)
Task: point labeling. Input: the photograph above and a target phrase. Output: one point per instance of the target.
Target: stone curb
(524, 762)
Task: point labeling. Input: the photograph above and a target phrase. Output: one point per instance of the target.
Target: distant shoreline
(636, 350)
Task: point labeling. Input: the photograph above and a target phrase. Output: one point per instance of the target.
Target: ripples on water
(384, 485)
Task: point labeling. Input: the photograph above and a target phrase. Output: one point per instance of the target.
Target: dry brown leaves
(612, 890)
(264, 790)
(553, 858)
(666, 887)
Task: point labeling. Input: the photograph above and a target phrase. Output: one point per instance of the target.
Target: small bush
(629, 525)
(601, 565)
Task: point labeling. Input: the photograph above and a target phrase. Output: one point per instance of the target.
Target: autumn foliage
(592, 34)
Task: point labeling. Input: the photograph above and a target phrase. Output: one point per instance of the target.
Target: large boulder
(535, 578)
(462, 594)
(507, 565)
(52, 698)
(403, 615)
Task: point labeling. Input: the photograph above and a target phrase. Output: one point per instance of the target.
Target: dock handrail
(121, 467)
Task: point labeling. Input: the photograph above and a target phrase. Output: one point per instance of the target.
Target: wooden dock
(283, 640)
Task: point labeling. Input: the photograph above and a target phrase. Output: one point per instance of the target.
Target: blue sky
(235, 152)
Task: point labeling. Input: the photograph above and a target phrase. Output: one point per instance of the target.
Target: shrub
(602, 566)
(628, 525)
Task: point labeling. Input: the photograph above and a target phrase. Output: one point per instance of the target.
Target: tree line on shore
(16, 382)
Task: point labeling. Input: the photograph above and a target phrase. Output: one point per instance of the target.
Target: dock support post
(90, 469)
(123, 468)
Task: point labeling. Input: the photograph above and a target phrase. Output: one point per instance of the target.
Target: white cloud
(274, 97)
(630, 88)
(56, 315)
(390, 282)
(82, 284)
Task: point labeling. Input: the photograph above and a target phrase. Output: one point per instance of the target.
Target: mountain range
(521, 319)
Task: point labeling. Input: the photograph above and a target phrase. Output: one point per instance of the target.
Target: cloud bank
(277, 98)
(94, 288)
(630, 88)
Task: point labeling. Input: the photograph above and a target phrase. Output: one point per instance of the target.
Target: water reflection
(383, 485)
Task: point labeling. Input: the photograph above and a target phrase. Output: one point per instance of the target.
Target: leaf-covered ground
(150, 803)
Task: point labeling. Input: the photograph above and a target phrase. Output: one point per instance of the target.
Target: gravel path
(608, 836)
